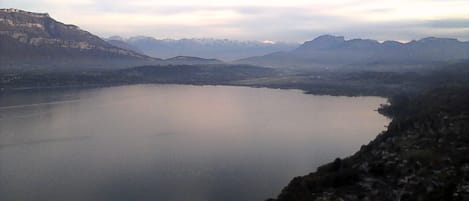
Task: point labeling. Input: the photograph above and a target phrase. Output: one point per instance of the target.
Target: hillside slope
(35, 40)
(423, 155)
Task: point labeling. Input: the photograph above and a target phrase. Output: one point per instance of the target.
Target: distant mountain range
(222, 49)
(35, 41)
(329, 51)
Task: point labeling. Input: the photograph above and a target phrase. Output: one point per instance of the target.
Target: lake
(173, 142)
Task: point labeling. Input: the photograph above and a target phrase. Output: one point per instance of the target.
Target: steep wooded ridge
(35, 39)
(423, 155)
(329, 52)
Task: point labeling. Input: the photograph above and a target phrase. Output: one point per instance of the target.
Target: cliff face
(423, 155)
(28, 29)
(36, 37)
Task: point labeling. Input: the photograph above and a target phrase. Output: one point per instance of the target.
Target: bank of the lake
(423, 155)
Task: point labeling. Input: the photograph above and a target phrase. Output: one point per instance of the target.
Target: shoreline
(391, 167)
(91, 86)
(411, 160)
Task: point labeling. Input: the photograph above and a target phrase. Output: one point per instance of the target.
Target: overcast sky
(275, 20)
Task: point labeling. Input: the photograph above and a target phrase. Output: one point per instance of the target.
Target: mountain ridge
(36, 39)
(329, 51)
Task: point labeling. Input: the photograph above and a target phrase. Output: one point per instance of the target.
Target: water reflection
(173, 142)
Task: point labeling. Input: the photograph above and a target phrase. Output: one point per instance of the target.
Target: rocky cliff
(37, 38)
(423, 155)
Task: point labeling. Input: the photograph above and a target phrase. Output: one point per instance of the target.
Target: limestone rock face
(28, 36)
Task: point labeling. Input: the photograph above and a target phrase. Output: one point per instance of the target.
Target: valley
(68, 85)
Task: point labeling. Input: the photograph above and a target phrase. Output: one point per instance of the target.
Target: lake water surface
(173, 142)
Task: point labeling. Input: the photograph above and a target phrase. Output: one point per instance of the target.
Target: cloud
(278, 20)
(448, 23)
